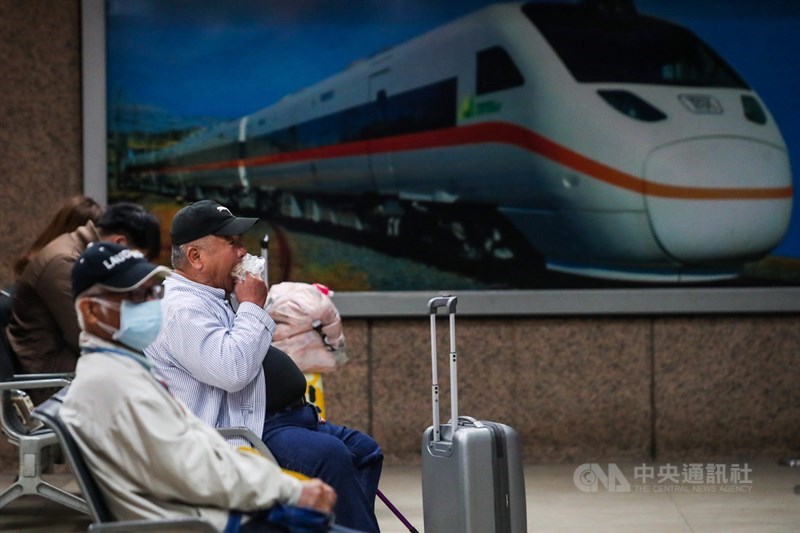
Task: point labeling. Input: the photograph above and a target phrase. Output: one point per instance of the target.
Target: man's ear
(89, 312)
(193, 256)
(118, 238)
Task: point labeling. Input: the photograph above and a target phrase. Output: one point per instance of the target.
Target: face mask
(139, 324)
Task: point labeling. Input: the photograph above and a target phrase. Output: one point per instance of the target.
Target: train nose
(718, 199)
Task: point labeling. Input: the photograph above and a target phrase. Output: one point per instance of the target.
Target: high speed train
(615, 144)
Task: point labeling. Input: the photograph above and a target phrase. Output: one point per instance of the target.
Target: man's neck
(196, 277)
(92, 340)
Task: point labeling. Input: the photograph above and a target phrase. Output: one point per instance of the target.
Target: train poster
(412, 145)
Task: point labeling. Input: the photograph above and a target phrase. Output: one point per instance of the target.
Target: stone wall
(580, 389)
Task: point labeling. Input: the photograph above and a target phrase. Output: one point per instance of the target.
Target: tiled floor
(554, 502)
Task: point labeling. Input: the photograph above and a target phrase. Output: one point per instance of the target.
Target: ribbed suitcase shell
(472, 481)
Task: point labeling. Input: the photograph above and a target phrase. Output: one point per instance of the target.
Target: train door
(380, 159)
(241, 155)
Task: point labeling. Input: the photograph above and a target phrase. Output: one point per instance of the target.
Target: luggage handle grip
(265, 255)
(442, 301)
(473, 421)
(463, 419)
(433, 304)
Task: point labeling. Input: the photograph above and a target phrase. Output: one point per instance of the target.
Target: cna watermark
(687, 477)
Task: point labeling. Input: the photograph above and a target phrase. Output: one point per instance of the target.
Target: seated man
(151, 457)
(214, 359)
(43, 331)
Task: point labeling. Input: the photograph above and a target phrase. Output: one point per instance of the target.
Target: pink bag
(309, 326)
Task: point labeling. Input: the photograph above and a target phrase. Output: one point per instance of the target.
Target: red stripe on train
(501, 133)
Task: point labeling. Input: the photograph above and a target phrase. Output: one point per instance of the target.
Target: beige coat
(151, 456)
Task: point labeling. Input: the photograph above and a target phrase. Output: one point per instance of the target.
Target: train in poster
(612, 143)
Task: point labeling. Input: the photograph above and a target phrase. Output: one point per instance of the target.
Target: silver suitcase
(472, 478)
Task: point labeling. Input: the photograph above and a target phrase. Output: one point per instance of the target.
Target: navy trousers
(346, 459)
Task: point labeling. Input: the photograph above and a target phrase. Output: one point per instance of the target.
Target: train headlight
(631, 105)
(753, 110)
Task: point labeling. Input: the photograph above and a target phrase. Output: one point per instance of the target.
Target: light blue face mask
(139, 324)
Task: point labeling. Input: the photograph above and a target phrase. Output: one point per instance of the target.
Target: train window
(631, 105)
(496, 71)
(753, 110)
(629, 49)
(425, 108)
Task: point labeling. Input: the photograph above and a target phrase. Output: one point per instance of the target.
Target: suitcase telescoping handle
(433, 305)
(265, 255)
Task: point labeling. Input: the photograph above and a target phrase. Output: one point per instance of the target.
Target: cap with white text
(113, 267)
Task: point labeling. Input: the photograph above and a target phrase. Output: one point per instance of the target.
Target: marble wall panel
(727, 386)
(574, 389)
(40, 106)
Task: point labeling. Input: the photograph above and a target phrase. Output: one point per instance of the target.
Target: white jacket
(150, 455)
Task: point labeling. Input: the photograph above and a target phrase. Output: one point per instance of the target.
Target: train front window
(496, 71)
(598, 48)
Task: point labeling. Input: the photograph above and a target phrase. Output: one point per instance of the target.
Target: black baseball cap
(113, 267)
(206, 217)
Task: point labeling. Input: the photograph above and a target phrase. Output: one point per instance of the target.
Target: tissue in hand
(250, 264)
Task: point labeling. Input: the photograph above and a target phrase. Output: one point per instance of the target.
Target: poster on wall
(414, 145)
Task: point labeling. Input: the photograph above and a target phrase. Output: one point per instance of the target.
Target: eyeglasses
(143, 294)
(137, 296)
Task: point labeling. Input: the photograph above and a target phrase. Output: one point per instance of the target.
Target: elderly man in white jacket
(150, 455)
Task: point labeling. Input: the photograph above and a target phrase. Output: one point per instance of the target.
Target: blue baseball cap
(113, 267)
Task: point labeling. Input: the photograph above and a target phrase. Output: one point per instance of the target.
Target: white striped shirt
(211, 357)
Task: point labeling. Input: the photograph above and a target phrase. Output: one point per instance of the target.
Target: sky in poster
(198, 59)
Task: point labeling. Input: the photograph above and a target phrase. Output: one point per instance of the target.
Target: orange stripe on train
(503, 133)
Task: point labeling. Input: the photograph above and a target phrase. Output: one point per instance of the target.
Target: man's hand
(252, 289)
(317, 495)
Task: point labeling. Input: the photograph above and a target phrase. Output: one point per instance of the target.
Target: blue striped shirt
(211, 357)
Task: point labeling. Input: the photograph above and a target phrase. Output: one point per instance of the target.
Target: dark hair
(140, 227)
(76, 211)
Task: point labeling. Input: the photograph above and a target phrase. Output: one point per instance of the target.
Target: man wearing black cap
(150, 456)
(220, 364)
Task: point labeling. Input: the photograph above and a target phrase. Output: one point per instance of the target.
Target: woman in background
(76, 211)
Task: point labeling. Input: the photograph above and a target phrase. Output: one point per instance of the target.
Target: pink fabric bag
(309, 325)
